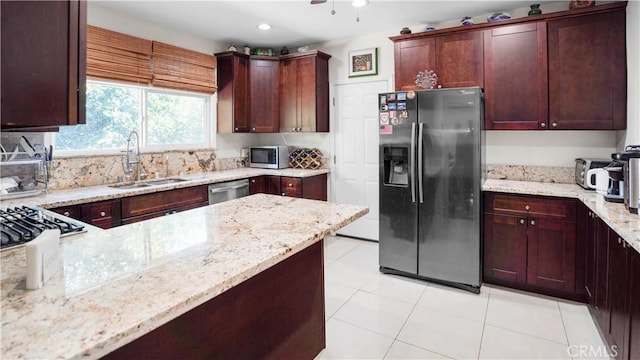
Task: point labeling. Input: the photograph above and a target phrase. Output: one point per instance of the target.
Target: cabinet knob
(527, 207)
(102, 213)
(236, 129)
(253, 129)
(66, 213)
(554, 125)
(294, 129)
(619, 240)
(290, 185)
(543, 124)
(253, 181)
(283, 194)
(533, 222)
(522, 221)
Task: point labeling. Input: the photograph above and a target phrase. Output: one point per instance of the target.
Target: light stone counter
(68, 197)
(616, 216)
(116, 285)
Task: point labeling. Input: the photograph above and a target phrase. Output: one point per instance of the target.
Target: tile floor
(375, 316)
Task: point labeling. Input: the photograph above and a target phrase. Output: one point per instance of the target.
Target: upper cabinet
(587, 72)
(516, 52)
(233, 92)
(264, 88)
(563, 70)
(456, 58)
(304, 92)
(43, 63)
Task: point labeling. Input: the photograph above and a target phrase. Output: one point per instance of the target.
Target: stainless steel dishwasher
(229, 190)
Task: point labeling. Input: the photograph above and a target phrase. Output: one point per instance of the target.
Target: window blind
(115, 56)
(183, 69)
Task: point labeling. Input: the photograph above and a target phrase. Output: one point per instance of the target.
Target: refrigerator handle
(420, 173)
(412, 165)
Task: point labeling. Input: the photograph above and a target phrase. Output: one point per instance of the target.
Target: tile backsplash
(80, 171)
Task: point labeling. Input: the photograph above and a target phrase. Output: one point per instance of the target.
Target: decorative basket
(305, 159)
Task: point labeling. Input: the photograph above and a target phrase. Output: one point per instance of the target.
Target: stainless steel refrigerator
(431, 162)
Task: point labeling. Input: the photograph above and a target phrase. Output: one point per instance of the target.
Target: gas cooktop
(21, 224)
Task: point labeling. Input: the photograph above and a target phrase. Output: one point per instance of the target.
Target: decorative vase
(535, 9)
(405, 31)
(284, 51)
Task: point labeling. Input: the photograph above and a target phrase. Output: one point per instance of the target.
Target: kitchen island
(116, 286)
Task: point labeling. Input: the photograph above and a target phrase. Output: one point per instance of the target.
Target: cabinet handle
(522, 221)
(66, 213)
(543, 124)
(554, 125)
(533, 222)
(102, 213)
(526, 207)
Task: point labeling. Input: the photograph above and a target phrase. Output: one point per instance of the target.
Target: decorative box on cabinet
(233, 92)
(43, 63)
(530, 243)
(264, 80)
(304, 92)
(516, 52)
(587, 72)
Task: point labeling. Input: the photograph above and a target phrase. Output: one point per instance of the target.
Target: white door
(355, 172)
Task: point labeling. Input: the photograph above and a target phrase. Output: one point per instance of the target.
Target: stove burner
(20, 225)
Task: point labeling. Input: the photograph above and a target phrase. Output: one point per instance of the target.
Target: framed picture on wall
(363, 62)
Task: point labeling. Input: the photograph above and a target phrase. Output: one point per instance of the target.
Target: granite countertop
(616, 216)
(68, 197)
(118, 284)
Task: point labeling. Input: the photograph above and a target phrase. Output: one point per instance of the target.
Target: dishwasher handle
(213, 191)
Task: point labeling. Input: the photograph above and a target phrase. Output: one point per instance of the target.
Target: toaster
(583, 166)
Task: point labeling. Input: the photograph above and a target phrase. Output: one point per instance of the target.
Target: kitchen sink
(146, 184)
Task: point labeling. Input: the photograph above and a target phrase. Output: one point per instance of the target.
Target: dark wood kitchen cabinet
(43, 63)
(257, 185)
(103, 214)
(618, 294)
(264, 89)
(233, 92)
(587, 72)
(516, 52)
(633, 350)
(304, 92)
(148, 206)
(311, 187)
(456, 58)
(530, 243)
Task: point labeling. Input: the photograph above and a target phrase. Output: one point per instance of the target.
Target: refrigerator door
(450, 166)
(398, 247)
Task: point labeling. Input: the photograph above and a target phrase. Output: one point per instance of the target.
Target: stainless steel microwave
(269, 157)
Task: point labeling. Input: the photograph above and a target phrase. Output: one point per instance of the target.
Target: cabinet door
(257, 185)
(587, 72)
(516, 52)
(551, 254)
(602, 280)
(411, 57)
(163, 201)
(459, 60)
(633, 350)
(315, 187)
(264, 81)
(589, 236)
(43, 63)
(618, 287)
(272, 185)
(233, 92)
(307, 94)
(291, 186)
(289, 95)
(103, 214)
(505, 248)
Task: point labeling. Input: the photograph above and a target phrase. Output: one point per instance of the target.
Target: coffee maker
(630, 159)
(615, 191)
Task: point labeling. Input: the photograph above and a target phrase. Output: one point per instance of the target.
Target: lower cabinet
(312, 187)
(148, 206)
(103, 214)
(530, 243)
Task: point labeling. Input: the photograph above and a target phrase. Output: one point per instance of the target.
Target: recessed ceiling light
(359, 3)
(264, 26)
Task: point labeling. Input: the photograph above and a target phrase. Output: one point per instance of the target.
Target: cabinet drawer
(148, 216)
(161, 201)
(291, 186)
(104, 214)
(73, 212)
(560, 209)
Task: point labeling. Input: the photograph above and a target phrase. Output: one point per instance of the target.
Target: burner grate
(22, 224)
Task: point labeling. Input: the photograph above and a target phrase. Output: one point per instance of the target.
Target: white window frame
(210, 123)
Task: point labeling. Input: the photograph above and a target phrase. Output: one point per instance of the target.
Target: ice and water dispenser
(396, 166)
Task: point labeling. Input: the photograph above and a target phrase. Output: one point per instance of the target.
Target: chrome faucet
(128, 158)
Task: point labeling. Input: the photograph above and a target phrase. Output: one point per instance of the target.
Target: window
(165, 119)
